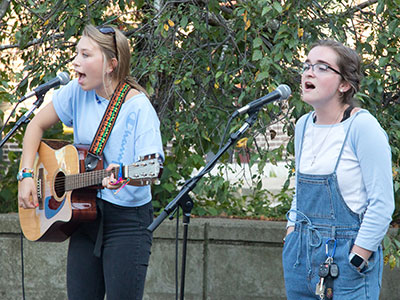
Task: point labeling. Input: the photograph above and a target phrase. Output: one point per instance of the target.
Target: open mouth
(309, 86)
(81, 75)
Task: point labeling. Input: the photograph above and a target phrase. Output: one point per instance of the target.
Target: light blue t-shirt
(136, 133)
(364, 172)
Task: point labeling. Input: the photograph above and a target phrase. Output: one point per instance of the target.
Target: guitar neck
(87, 179)
(141, 173)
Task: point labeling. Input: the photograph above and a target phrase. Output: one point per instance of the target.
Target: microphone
(61, 79)
(282, 92)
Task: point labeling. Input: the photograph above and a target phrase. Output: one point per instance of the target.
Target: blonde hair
(119, 50)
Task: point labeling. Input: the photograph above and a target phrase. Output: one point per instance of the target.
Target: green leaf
(397, 243)
(257, 42)
(257, 55)
(139, 3)
(169, 187)
(380, 7)
(184, 22)
(121, 4)
(266, 9)
(386, 242)
(261, 76)
(277, 6)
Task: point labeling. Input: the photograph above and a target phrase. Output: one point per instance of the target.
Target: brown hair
(349, 63)
(120, 51)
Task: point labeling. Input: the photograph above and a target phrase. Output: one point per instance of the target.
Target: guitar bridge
(40, 187)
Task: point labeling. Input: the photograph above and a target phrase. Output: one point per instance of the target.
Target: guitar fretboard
(82, 180)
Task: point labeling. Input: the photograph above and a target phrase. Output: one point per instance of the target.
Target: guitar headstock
(145, 171)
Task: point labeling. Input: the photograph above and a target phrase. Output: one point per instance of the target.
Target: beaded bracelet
(24, 173)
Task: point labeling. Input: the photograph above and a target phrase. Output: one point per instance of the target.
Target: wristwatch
(357, 261)
(24, 173)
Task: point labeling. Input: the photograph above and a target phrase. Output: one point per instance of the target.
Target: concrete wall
(226, 259)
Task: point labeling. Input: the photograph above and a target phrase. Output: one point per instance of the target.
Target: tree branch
(88, 10)
(31, 43)
(358, 7)
(3, 8)
(365, 4)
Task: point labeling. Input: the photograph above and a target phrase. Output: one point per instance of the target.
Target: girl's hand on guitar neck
(27, 193)
(111, 182)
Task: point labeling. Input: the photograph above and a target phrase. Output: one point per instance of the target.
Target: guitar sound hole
(59, 184)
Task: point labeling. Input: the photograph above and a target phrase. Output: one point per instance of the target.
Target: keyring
(327, 247)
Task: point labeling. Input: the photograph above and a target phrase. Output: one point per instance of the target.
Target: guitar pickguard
(52, 206)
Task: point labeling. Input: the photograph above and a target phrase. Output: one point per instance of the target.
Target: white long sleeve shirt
(364, 172)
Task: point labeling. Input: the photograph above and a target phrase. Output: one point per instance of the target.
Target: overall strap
(302, 139)
(106, 125)
(344, 142)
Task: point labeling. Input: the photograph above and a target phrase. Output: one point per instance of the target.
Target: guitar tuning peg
(157, 182)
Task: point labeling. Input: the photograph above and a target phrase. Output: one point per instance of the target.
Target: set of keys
(327, 272)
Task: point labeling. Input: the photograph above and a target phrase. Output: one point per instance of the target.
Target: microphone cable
(225, 131)
(9, 117)
(22, 266)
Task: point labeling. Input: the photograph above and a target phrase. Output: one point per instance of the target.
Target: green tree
(202, 59)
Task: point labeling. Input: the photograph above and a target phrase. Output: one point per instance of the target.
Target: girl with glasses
(344, 191)
(110, 255)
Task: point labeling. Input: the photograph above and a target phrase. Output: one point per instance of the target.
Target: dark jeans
(121, 269)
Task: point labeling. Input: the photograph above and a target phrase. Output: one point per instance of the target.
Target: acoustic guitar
(67, 194)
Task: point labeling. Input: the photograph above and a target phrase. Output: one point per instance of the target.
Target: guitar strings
(80, 180)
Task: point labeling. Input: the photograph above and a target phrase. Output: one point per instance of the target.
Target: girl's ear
(112, 65)
(344, 87)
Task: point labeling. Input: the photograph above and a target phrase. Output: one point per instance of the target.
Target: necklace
(315, 154)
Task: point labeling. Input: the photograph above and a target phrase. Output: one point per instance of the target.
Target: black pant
(121, 269)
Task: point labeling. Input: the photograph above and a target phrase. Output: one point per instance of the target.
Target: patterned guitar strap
(106, 125)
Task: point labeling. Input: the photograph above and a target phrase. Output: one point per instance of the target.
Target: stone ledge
(240, 230)
(9, 223)
(226, 259)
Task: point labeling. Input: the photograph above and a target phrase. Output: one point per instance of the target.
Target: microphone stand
(186, 203)
(23, 119)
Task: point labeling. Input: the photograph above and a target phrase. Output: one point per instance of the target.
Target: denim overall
(323, 215)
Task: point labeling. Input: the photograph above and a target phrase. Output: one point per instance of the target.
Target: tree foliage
(202, 59)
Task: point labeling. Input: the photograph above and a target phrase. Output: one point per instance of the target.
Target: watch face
(357, 261)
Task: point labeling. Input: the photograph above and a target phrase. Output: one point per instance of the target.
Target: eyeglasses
(109, 30)
(319, 68)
